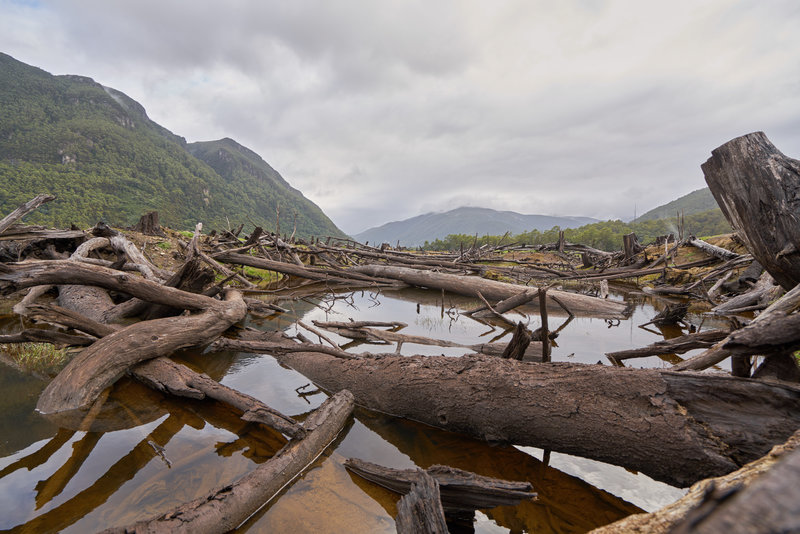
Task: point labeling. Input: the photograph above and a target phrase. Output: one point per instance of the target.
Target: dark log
(778, 333)
(99, 366)
(420, 510)
(759, 296)
(492, 290)
(519, 343)
(35, 335)
(148, 225)
(770, 504)
(510, 303)
(718, 352)
(758, 189)
(781, 366)
(630, 246)
(677, 345)
(23, 210)
(664, 520)
(229, 506)
(671, 314)
(460, 490)
(675, 427)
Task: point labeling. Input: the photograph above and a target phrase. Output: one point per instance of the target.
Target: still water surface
(146, 452)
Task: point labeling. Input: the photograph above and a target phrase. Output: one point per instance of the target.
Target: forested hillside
(104, 159)
(695, 202)
(605, 235)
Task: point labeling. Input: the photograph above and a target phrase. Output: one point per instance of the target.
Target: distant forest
(606, 235)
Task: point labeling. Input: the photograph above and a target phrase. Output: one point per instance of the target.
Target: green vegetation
(36, 357)
(605, 235)
(266, 276)
(695, 202)
(96, 150)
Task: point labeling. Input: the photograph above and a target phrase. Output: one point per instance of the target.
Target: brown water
(146, 452)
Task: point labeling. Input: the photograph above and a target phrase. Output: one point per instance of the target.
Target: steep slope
(430, 226)
(98, 152)
(263, 188)
(695, 202)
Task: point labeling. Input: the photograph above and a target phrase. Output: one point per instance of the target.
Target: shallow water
(146, 453)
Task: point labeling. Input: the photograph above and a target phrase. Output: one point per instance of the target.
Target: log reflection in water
(564, 504)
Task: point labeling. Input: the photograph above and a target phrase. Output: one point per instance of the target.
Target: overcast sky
(382, 110)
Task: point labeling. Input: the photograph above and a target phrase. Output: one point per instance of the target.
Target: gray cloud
(379, 111)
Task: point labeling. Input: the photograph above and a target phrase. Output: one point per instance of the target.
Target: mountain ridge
(99, 153)
(430, 226)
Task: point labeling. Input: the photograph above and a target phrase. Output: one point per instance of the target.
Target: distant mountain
(416, 230)
(695, 202)
(97, 150)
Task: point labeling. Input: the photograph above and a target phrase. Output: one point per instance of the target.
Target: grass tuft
(41, 358)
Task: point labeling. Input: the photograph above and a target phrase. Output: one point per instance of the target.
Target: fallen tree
(675, 427)
(472, 286)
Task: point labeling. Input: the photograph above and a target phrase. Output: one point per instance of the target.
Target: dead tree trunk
(494, 291)
(675, 427)
(99, 366)
(758, 190)
(21, 211)
(148, 225)
(420, 510)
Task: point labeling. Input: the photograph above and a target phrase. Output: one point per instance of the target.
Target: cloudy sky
(382, 110)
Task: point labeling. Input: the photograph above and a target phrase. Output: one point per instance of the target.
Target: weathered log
(23, 210)
(493, 290)
(758, 189)
(16, 276)
(675, 427)
(677, 345)
(99, 366)
(229, 506)
(520, 342)
(163, 374)
(420, 510)
(664, 520)
(460, 490)
(713, 250)
(759, 295)
(786, 304)
(320, 275)
(778, 333)
(35, 335)
(770, 504)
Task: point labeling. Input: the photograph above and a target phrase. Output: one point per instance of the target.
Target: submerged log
(420, 510)
(460, 490)
(99, 366)
(758, 189)
(675, 427)
(492, 290)
(229, 506)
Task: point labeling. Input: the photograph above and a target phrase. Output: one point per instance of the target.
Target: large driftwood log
(758, 190)
(495, 291)
(229, 506)
(770, 504)
(713, 250)
(675, 427)
(664, 520)
(99, 366)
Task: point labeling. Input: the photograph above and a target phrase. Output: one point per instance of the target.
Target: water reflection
(144, 453)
